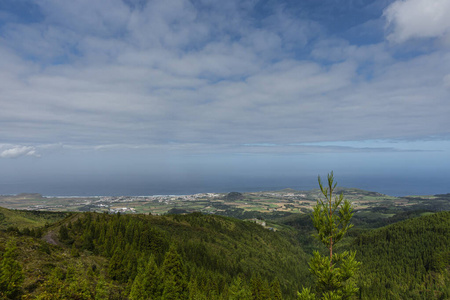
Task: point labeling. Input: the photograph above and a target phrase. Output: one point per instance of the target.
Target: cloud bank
(202, 73)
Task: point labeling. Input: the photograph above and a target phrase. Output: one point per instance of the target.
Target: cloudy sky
(201, 91)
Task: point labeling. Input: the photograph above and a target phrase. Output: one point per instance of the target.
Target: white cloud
(418, 19)
(174, 74)
(18, 151)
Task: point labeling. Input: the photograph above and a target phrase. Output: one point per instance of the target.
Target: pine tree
(259, 289)
(334, 272)
(194, 291)
(101, 288)
(116, 268)
(238, 290)
(74, 251)
(175, 284)
(275, 290)
(63, 233)
(147, 283)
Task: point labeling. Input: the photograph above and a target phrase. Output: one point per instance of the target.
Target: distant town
(233, 203)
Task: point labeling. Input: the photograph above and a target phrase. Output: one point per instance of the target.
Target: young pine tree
(334, 272)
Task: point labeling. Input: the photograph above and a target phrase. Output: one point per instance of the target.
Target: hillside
(27, 219)
(217, 255)
(112, 255)
(406, 260)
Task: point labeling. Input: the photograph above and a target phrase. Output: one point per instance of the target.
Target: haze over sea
(134, 186)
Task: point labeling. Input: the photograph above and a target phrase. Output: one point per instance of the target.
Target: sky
(130, 96)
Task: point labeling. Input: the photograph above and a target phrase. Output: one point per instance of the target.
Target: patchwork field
(234, 203)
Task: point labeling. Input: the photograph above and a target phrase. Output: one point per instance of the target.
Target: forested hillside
(20, 219)
(191, 256)
(196, 256)
(406, 260)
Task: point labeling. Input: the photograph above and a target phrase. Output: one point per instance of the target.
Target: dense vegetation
(406, 260)
(195, 256)
(20, 219)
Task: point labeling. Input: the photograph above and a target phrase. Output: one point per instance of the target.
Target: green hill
(27, 219)
(218, 256)
(115, 256)
(406, 260)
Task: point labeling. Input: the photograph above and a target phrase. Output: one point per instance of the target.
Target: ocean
(141, 186)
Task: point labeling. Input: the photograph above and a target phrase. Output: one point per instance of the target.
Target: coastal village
(229, 204)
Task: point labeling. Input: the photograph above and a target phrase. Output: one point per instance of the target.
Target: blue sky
(251, 90)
